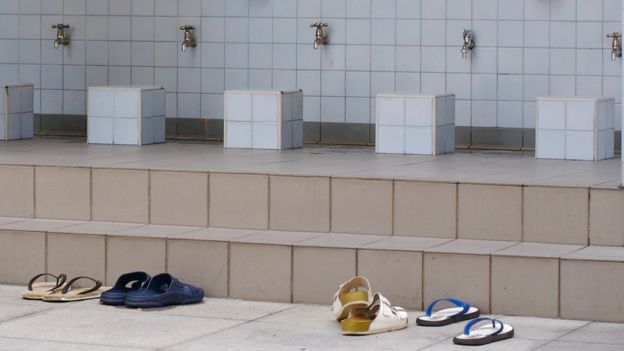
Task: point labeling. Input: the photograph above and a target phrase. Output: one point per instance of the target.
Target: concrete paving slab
(542, 329)
(11, 344)
(610, 333)
(111, 327)
(10, 311)
(578, 346)
(515, 344)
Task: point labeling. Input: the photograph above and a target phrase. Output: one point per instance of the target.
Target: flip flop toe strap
(474, 322)
(68, 286)
(465, 307)
(60, 280)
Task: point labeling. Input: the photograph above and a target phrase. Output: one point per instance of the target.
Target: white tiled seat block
(263, 119)
(126, 115)
(415, 124)
(575, 128)
(16, 111)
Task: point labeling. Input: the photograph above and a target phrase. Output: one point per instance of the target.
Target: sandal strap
(465, 307)
(474, 322)
(60, 280)
(68, 286)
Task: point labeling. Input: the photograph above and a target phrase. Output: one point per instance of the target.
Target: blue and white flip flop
(483, 331)
(447, 316)
(164, 290)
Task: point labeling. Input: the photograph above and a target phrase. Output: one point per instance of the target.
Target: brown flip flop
(36, 291)
(69, 293)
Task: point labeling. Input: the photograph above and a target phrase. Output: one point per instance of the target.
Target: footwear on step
(125, 284)
(447, 316)
(70, 293)
(483, 331)
(36, 291)
(379, 317)
(164, 290)
(356, 293)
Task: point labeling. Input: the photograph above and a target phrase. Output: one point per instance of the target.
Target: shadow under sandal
(379, 317)
(36, 291)
(125, 284)
(69, 293)
(164, 290)
(462, 312)
(486, 333)
(356, 293)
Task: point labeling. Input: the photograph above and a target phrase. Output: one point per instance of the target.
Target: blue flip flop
(447, 316)
(125, 284)
(483, 331)
(164, 290)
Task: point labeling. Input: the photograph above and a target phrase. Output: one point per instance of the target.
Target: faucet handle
(60, 26)
(615, 35)
(318, 25)
(187, 27)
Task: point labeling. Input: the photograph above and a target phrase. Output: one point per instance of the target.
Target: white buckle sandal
(356, 293)
(379, 317)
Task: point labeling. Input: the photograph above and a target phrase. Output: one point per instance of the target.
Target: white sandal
(378, 317)
(349, 296)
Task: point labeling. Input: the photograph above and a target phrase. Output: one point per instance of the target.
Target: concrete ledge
(379, 206)
(497, 276)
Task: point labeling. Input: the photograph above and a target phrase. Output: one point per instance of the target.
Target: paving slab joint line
(63, 343)
(226, 329)
(25, 316)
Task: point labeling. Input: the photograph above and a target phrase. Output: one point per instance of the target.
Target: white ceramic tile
(390, 140)
(419, 112)
(125, 131)
(265, 108)
(238, 107)
(580, 115)
(580, 145)
(550, 144)
(551, 114)
(101, 103)
(100, 130)
(418, 140)
(391, 111)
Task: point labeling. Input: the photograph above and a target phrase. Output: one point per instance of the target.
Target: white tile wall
(556, 47)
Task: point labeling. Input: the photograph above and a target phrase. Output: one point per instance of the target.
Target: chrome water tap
(319, 37)
(61, 38)
(189, 40)
(616, 45)
(469, 43)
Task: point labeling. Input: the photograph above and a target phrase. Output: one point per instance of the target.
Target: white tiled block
(136, 115)
(263, 119)
(575, 128)
(421, 124)
(100, 130)
(16, 111)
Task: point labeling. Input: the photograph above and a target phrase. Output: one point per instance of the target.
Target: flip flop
(447, 316)
(379, 317)
(486, 333)
(125, 284)
(69, 293)
(36, 291)
(349, 296)
(164, 290)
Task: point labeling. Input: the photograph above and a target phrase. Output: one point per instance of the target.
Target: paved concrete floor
(490, 167)
(219, 324)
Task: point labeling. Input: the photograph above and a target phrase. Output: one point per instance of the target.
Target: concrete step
(506, 277)
(380, 206)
